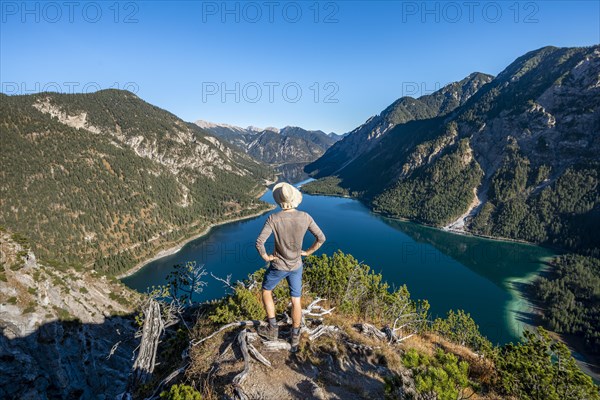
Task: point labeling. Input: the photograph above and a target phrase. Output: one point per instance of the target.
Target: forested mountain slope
(521, 155)
(106, 178)
(405, 109)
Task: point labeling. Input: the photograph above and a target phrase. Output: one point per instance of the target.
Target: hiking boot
(268, 332)
(295, 341)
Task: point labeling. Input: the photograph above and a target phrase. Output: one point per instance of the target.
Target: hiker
(289, 227)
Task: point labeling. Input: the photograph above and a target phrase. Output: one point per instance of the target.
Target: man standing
(288, 227)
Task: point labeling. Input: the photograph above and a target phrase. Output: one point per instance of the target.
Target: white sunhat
(286, 196)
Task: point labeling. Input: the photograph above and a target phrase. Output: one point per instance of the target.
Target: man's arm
(262, 238)
(319, 238)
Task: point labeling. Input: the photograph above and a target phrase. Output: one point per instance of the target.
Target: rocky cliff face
(403, 110)
(59, 329)
(518, 158)
(554, 118)
(170, 142)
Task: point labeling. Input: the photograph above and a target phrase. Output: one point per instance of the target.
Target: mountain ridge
(499, 149)
(403, 110)
(121, 177)
(290, 144)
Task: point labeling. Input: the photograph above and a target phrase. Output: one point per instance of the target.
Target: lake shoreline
(179, 245)
(589, 363)
(461, 232)
(524, 302)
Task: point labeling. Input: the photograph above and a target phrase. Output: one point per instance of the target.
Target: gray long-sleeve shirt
(289, 228)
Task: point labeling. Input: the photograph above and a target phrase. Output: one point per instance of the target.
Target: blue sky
(319, 65)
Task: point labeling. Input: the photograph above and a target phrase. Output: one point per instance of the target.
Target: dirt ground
(327, 370)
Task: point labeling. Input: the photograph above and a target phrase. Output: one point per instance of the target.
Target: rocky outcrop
(65, 360)
(557, 124)
(179, 148)
(60, 329)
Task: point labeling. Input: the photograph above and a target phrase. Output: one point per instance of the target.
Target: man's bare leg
(296, 321)
(267, 296)
(296, 312)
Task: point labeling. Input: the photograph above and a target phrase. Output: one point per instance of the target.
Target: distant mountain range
(515, 156)
(106, 179)
(288, 149)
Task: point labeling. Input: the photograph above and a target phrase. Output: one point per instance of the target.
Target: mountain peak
(256, 129)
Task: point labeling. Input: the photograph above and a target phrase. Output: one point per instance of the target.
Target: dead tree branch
(225, 327)
(168, 379)
(243, 343)
(371, 331)
(322, 330)
(226, 282)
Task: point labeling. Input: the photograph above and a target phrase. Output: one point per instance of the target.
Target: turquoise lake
(452, 271)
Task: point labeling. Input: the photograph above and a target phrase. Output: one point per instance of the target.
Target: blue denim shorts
(294, 278)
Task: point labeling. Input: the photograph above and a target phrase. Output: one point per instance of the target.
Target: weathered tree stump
(144, 364)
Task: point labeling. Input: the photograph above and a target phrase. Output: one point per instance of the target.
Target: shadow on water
(493, 259)
(530, 316)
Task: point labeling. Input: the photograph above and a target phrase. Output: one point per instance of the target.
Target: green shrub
(16, 266)
(357, 290)
(542, 369)
(30, 308)
(460, 328)
(63, 314)
(328, 276)
(181, 392)
(58, 281)
(347, 284)
(443, 376)
(36, 275)
(118, 298)
(22, 253)
(20, 239)
(243, 304)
